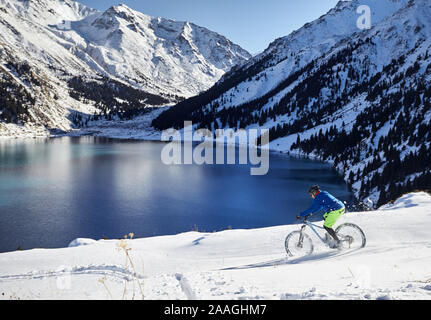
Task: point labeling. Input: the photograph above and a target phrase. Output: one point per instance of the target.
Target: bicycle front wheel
(298, 244)
(351, 236)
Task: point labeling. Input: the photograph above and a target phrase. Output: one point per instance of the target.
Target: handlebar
(306, 217)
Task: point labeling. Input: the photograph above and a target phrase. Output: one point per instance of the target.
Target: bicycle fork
(301, 236)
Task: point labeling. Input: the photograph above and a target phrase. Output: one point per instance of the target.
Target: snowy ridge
(295, 51)
(236, 264)
(48, 11)
(159, 55)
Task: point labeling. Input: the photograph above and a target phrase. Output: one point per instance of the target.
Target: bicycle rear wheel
(298, 244)
(351, 236)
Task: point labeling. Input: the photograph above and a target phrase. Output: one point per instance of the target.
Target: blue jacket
(323, 202)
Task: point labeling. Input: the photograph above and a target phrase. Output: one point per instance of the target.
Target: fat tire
(306, 238)
(364, 239)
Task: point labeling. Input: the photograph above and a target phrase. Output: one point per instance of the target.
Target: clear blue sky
(252, 24)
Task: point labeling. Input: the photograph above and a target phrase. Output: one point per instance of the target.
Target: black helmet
(313, 190)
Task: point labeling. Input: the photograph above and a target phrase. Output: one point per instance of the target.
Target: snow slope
(235, 264)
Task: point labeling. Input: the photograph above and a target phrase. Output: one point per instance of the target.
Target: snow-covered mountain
(49, 48)
(359, 99)
(236, 264)
(159, 55)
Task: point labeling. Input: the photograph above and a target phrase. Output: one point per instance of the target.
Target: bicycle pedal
(335, 245)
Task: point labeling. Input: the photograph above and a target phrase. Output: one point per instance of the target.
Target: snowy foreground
(235, 264)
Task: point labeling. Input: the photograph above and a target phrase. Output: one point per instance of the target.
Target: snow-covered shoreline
(235, 264)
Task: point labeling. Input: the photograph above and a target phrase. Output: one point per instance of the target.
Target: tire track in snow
(103, 270)
(185, 286)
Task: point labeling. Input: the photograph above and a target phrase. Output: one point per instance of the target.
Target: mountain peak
(123, 10)
(120, 8)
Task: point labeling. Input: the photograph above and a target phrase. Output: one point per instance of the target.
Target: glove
(298, 217)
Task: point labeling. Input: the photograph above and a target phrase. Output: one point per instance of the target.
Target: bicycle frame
(312, 226)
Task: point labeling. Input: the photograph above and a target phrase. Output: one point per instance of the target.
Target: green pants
(332, 217)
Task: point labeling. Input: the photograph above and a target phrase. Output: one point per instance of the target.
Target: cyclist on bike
(327, 204)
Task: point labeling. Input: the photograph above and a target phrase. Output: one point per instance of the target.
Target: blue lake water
(55, 190)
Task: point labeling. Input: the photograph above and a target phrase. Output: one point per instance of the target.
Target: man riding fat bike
(332, 208)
